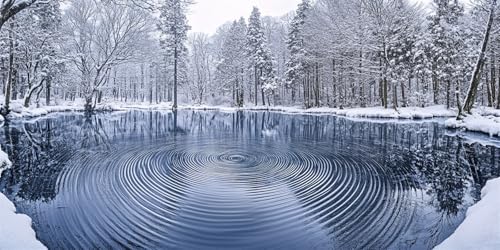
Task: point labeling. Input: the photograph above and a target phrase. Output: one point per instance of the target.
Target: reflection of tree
(93, 133)
(32, 152)
(39, 152)
(419, 155)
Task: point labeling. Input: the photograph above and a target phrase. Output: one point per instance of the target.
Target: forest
(326, 53)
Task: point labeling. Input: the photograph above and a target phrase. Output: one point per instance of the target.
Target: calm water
(252, 180)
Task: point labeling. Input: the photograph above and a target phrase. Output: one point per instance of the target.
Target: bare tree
(200, 65)
(102, 36)
(9, 8)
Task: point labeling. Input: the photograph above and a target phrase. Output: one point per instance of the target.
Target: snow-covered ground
(18, 111)
(481, 228)
(483, 120)
(374, 112)
(15, 229)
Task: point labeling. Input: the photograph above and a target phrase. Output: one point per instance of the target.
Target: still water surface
(252, 180)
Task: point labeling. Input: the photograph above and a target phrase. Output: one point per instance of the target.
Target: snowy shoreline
(15, 229)
(483, 120)
(410, 113)
(481, 227)
(480, 214)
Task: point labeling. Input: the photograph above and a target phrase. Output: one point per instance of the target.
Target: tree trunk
(256, 86)
(317, 86)
(395, 96)
(476, 78)
(174, 107)
(498, 94)
(10, 77)
(48, 85)
(403, 95)
(493, 79)
(384, 93)
(30, 92)
(435, 85)
(448, 94)
(488, 92)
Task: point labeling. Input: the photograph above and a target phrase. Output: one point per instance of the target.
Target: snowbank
(481, 228)
(375, 112)
(4, 161)
(477, 123)
(18, 111)
(15, 229)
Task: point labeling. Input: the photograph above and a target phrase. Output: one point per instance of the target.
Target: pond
(258, 180)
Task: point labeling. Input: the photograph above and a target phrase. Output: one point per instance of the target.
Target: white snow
(481, 228)
(484, 120)
(4, 161)
(375, 112)
(15, 229)
(18, 111)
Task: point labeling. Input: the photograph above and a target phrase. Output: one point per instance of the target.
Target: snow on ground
(375, 112)
(4, 161)
(18, 111)
(15, 229)
(481, 228)
(484, 120)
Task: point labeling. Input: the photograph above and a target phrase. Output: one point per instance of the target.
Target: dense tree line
(335, 53)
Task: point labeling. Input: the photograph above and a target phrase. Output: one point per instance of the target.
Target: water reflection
(226, 180)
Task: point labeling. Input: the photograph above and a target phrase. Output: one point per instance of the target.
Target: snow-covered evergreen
(326, 53)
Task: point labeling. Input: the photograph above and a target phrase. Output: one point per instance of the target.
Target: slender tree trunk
(385, 101)
(488, 92)
(395, 96)
(175, 78)
(48, 86)
(448, 94)
(256, 86)
(10, 77)
(435, 85)
(498, 94)
(317, 86)
(493, 79)
(476, 77)
(403, 95)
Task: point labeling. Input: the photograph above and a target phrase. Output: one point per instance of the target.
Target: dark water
(253, 180)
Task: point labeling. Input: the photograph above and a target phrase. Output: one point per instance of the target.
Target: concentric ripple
(228, 193)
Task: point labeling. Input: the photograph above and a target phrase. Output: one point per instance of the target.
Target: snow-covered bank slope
(481, 228)
(15, 229)
(375, 112)
(18, 111)
(477, 123)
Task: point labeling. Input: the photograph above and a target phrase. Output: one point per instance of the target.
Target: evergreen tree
(445, 46)
(260, 56)
(174, 27)
(234, 60)
(297, 62)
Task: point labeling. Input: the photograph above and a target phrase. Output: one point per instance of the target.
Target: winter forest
(249, 124)
(327, 53)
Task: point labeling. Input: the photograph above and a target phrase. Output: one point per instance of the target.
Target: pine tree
(260, 56)
(402, 49)
(174, 27)
(445, 46)
(234, 60)
(297, 62)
